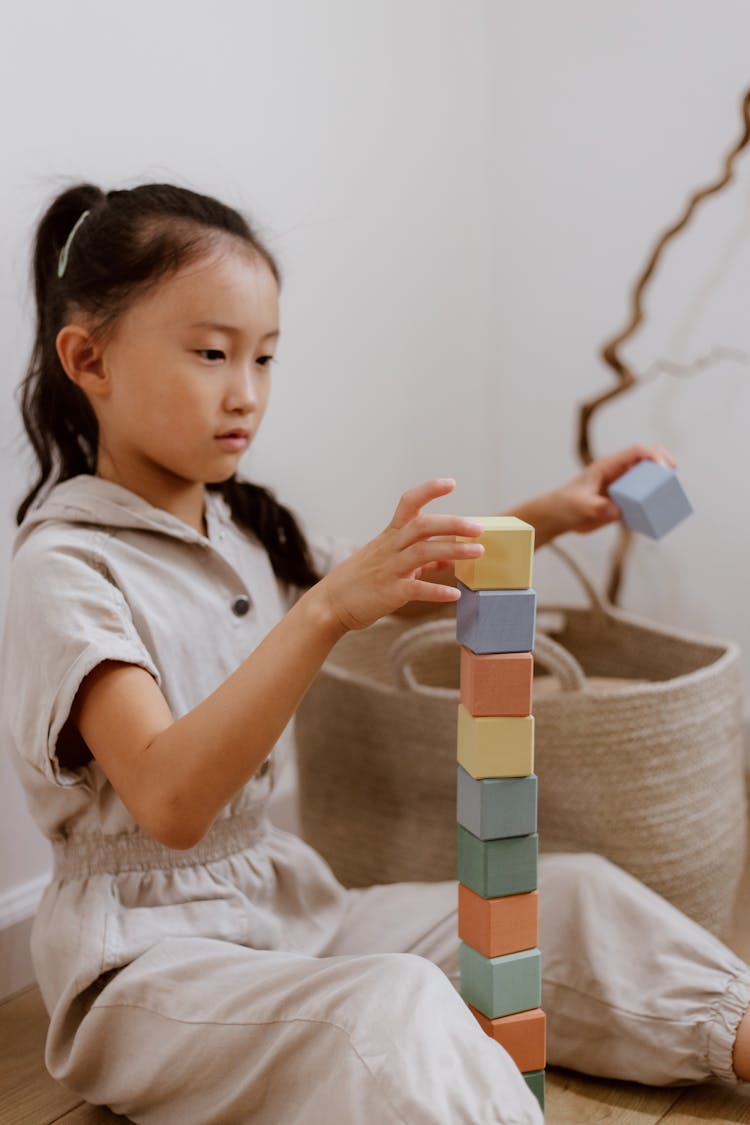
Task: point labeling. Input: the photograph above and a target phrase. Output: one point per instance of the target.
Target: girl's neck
(184, 499)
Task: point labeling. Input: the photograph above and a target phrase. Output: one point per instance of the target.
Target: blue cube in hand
(651, 499)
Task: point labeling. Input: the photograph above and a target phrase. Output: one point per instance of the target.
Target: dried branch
(610, 351)
(716, 355)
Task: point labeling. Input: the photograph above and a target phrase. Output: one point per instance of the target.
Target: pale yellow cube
(498, 746)
(508, 552)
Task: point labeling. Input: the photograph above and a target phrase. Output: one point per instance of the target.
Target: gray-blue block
(494, 868)
(493, 808)
(500, 986)
(496, 620)
(651, 499)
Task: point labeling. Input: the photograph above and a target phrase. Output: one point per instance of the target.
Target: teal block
(535, 1082)
(495, 807)
(500, 986)
(494, 868)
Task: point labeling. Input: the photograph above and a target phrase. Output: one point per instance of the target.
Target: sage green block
(494, 868)
(535, 1082)
(500, 986)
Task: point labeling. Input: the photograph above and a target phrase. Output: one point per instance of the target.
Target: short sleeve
(65, 616)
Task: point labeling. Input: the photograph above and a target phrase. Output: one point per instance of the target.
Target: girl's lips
(233, 440)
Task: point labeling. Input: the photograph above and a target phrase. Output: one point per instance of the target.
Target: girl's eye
(264, 360)
(214, 355)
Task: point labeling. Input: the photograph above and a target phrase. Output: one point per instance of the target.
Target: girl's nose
(242, 392)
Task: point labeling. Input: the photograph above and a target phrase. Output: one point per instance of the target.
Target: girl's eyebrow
(232, 329)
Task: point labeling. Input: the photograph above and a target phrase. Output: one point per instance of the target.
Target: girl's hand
(389, 571)
(583, 505)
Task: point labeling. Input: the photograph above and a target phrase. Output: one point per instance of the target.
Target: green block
(500, 986)
(494, 868)
(535, 1082)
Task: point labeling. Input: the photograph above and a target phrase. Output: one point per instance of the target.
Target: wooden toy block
(496, 926)
(493, 868)
(497, 746)
(497, 683)
(495, 807)
(523, 1035)
(499, 986)
(535, 1082)
(651, 499)
(508, 552)
(495, 621)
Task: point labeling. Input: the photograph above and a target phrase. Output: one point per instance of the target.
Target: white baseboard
(17, 909)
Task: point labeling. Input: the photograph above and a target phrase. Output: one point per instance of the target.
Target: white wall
(460, 193)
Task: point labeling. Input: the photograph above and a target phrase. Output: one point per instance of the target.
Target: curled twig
(610, 351)
(700, 363)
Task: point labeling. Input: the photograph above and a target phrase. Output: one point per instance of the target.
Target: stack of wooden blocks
(498, 900)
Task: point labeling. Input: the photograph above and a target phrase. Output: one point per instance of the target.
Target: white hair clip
(63, 259)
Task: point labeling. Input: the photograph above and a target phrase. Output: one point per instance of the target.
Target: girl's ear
(82, 360)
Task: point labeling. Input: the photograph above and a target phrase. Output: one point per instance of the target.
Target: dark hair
(128, 242)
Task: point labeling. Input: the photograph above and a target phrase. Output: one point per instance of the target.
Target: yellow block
(497, 746)
(508, 550)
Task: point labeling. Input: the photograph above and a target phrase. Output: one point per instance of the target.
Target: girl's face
(186, 372)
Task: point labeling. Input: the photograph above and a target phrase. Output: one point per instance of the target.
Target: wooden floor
(28, 1096)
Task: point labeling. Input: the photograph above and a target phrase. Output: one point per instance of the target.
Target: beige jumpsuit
(238, 981)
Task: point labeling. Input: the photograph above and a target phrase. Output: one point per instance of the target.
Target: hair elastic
(62, 261)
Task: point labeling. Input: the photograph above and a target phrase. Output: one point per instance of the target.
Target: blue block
(651, 499)
(497, 807)
(496, 620)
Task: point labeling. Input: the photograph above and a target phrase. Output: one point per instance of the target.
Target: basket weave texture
(638, 752)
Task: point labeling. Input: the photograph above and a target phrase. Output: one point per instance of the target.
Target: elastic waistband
(100, 854)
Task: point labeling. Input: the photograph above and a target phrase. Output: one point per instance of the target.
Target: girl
(165, 619)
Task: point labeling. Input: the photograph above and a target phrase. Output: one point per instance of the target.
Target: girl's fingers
(432, 592)
(414, 499)
(440, 551)
(430, 525)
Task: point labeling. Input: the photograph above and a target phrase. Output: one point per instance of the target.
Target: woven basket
(638, 752)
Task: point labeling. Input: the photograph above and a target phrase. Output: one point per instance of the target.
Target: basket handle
(597, 600)
(559, 662)
(551, 655)
(410, 644)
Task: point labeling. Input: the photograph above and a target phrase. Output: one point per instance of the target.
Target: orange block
(496, 926)
(497, 683)
(524, 1036)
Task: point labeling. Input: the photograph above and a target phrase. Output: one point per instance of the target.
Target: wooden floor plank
(573, 1099)
(28, 1096)
(709, 1103)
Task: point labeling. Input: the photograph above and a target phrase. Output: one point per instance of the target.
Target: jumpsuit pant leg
(633, 988)
(204, 1032)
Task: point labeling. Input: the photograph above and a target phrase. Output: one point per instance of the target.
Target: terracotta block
(508, 552)
(523, 1035)
(497, 683)
(496, 926)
